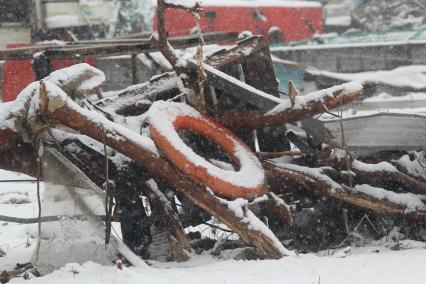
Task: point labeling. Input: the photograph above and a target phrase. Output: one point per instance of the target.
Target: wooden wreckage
(108, 140)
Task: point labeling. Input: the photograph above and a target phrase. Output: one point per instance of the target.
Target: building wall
(14, 35)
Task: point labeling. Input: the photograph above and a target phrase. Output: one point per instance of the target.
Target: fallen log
(286, 112)
(387, 173)
(380, 174)
(298, 178)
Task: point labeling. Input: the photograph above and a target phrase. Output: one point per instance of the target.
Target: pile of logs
(107, 139)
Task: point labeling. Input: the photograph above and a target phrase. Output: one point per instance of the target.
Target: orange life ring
(165, 118)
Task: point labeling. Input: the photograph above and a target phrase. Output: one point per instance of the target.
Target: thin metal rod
(45, 219)
(17, 180)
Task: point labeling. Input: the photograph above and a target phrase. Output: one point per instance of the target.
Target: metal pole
(39, 20)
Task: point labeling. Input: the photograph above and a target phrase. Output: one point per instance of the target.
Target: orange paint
(220, 136)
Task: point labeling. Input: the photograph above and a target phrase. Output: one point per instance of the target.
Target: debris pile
(211, 139)
(376, 16)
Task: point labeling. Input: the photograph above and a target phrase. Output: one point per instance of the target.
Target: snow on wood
(380, 167)
(131, 96)
(305, 106)
(319, 96)
(57, 100)
(239, 207)
(80, 77)
(163, 207)
(253, 92)
(316, 182)
(414, 167)
(317, 174)
(57, 109)
(162, 116)
(411, 202)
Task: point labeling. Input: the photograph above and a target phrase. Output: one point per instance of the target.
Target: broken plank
(110, 48)
(292, 177)
(305, 106)
(244, 92)
(237, 54)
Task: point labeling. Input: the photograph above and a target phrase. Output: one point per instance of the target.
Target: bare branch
(296, 180)
(255, 119)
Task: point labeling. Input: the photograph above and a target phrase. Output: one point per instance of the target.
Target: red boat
(278, 20)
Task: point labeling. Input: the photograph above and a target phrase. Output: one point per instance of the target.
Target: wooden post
(135, 75)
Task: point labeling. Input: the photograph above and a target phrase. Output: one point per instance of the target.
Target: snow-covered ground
(376, 263)
(17, 200)
(364, 265)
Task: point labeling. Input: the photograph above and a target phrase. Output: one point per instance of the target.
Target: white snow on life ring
(166, 118)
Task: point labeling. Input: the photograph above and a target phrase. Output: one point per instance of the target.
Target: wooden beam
(110, 48)
(257, 119)
(293, 180)
(237, 54)
(135, 75)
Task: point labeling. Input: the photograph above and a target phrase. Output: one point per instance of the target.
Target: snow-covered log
(378, 173)
(304, 106)
(373, 199)
(385, 172)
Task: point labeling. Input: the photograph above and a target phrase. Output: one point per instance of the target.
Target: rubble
(125, 137)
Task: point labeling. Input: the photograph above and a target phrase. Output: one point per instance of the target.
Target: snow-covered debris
(416, 166)
(80, 77)
(380, 167)
(316, 173)
(17, 106)
(318, 96)
(372, 15)
(239, 206)
(57, 95)
(410, 77)
(162, 116)
(386, 97)
(411, 201)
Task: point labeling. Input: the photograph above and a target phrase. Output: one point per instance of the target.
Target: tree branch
(297, 180)
(311, 106)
